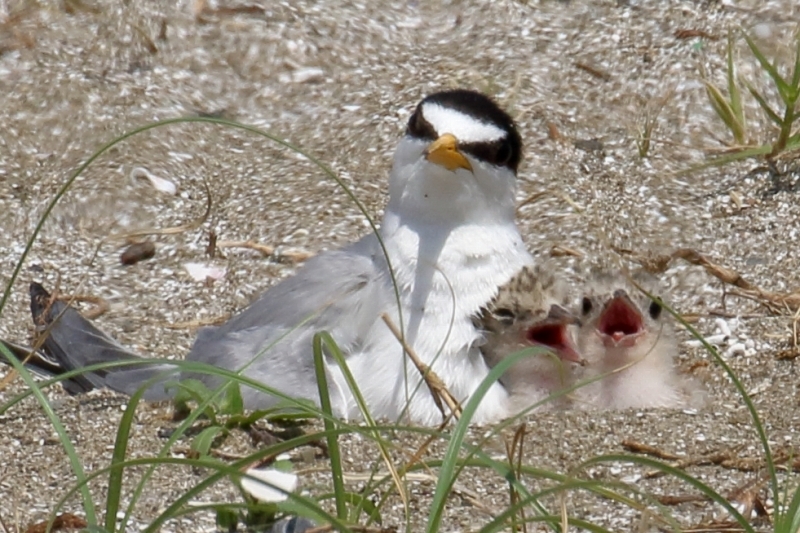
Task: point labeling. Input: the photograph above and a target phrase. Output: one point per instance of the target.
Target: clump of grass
(648, 122)
(730, 109)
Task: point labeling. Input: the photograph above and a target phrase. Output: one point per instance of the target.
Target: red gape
(621, 322)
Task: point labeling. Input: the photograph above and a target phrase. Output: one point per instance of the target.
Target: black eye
(506, 316)
(503, 154)
(655, 310)
(586, 305)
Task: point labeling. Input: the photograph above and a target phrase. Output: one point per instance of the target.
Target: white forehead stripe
(466, 129)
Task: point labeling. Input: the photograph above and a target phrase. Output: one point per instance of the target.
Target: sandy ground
(339, 78)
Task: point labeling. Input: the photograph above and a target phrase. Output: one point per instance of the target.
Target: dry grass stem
(291, 256)
(193, 324)
(533, 198)
(748, 498)
(100, 305)
(596, 72)
(560, 250)
(264, 249)
(669, 499)
(514, 454)
(640, 447)
(437, 387)
(148, 42)
(777, 303)
(730, 459)
(694, 33)
(175, 229)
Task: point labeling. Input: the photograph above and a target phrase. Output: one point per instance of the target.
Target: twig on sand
(267, 251)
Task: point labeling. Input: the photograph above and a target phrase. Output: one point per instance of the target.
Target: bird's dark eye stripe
(501, 153)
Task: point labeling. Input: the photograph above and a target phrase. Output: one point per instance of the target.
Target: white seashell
(270, 485)
(736, 349)
(303, 75)
(159, 184)
(201, 272)
(723, 327)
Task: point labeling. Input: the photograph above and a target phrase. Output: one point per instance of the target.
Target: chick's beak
(444, 151)
(559, 313)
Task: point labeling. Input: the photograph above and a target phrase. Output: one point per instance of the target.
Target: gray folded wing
(342, 292)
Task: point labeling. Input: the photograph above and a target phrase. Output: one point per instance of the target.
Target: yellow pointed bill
(444, 151)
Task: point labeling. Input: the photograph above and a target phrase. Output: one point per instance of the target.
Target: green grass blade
(204, 440)
(356, 501)
(322, 166)
(234, 470)
(677, 473)
(725, 112)
(450, 462)
(63, 189)
(788, 521)
(220, 470)
(555, 522)
(74, 460)
(500, 521)
(228, 377)
(711, 350)
(784, 89)
(115, 472)
(796, 72)
(720, 160)
(773, 116)
(735, 95)
(334, 455)
(338, 356)
(757, 424)
(505, 471)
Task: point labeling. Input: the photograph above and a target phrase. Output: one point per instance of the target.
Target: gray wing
(342, 292)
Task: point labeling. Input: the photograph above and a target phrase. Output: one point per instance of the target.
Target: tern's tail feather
(73, 342)
(41, 364)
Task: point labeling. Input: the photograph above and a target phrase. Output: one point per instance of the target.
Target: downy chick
(528, 311)
(630, 336)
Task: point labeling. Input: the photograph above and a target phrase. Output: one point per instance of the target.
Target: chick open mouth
(621, 323)
(553, 334)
